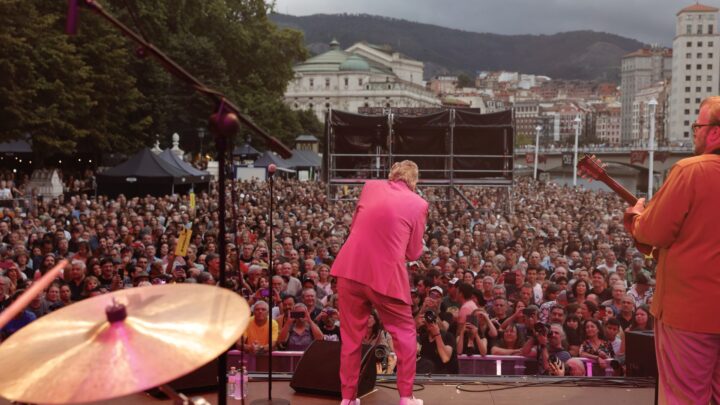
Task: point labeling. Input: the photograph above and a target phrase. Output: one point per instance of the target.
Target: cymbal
(76, 355)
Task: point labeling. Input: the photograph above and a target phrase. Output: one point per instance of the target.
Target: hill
(586, 55)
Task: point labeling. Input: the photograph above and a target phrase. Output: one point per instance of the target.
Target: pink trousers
(688, 366)
(355, 301)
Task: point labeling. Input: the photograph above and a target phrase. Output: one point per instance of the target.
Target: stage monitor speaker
(640, 358)
(318, 371)
(203, 379)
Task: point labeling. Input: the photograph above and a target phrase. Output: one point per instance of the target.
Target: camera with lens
(430, 316)
(542, 329)
(381, 352)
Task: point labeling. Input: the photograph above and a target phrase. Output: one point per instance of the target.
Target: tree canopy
(91, 93)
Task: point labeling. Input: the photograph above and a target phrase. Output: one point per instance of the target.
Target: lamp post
(651, 147)
(201, 135)
(575, 158)
(537, 147)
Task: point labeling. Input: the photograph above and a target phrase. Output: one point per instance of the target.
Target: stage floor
(444, 393)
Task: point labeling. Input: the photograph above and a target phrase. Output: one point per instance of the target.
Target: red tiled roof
(646, 52)
(698, 8)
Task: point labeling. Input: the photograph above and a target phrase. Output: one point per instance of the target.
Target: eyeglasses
(695, 126)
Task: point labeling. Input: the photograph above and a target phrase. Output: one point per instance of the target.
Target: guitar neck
(620, 190)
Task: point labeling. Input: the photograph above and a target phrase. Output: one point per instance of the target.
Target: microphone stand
(222, 125)
(270, 401)
(241, 280)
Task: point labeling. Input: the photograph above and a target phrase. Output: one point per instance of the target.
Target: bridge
(629, 165)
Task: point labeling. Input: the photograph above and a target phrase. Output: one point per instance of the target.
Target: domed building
(361, 76)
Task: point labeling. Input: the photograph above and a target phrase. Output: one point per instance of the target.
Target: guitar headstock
(591, 168)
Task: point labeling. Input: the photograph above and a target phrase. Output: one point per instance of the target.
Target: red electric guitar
(591, 168)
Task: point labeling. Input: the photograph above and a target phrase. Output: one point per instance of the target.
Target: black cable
(580, 382)
(391, 387)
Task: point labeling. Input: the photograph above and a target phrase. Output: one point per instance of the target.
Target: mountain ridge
(583, 55)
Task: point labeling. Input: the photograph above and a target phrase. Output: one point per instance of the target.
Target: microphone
(272, 168)
(72, 17)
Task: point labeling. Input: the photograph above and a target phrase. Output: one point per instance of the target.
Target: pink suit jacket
(387, 230)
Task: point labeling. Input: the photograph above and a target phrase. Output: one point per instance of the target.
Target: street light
(575, 159)
(651, 147)
(537, 146)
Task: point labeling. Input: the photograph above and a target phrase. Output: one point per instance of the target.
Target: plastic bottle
(244, 380)
(232, 382)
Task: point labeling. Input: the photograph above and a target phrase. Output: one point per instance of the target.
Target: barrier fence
(287, 361)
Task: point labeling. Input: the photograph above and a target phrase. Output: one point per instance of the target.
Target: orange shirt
(259, 334)
(683, 220)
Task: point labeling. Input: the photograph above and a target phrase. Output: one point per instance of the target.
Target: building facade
(696, 49)
(364, 77)
(607, 124)
(639, 70)
(643, 115)
(527, 118)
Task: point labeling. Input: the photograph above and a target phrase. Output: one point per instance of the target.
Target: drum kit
(120, 343)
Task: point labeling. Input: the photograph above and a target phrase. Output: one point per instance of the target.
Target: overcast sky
(650, 21)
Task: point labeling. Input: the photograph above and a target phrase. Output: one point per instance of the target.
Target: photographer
(436, 347)
(298, 334)
(377, 336)
(430, 303)
(473, 336)
(545, 343)
(283, 310)
(329, 325)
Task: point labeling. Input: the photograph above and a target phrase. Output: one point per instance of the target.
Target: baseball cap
(437, 289)
(453, 281)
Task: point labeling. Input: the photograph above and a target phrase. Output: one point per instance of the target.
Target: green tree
(464, 80)
(89, 93)
(44, 87)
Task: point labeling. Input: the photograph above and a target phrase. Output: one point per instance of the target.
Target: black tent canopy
(16, 146)
(198, 176)
(142, 174)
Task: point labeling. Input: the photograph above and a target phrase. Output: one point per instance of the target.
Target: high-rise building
(696, 49)
(640, 69)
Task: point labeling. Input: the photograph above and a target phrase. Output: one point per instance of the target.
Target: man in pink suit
(387, 230)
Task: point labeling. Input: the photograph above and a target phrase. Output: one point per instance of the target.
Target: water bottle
(232, 382)
(244, 379)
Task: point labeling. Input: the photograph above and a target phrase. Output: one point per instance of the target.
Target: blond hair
(406, 171)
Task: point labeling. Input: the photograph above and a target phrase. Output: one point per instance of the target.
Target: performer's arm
(415, 244)
(659, 224)
(357, 206)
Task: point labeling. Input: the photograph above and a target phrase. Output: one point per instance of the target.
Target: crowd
(549, 274)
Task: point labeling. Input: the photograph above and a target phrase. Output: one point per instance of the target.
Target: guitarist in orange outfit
(683, 221)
